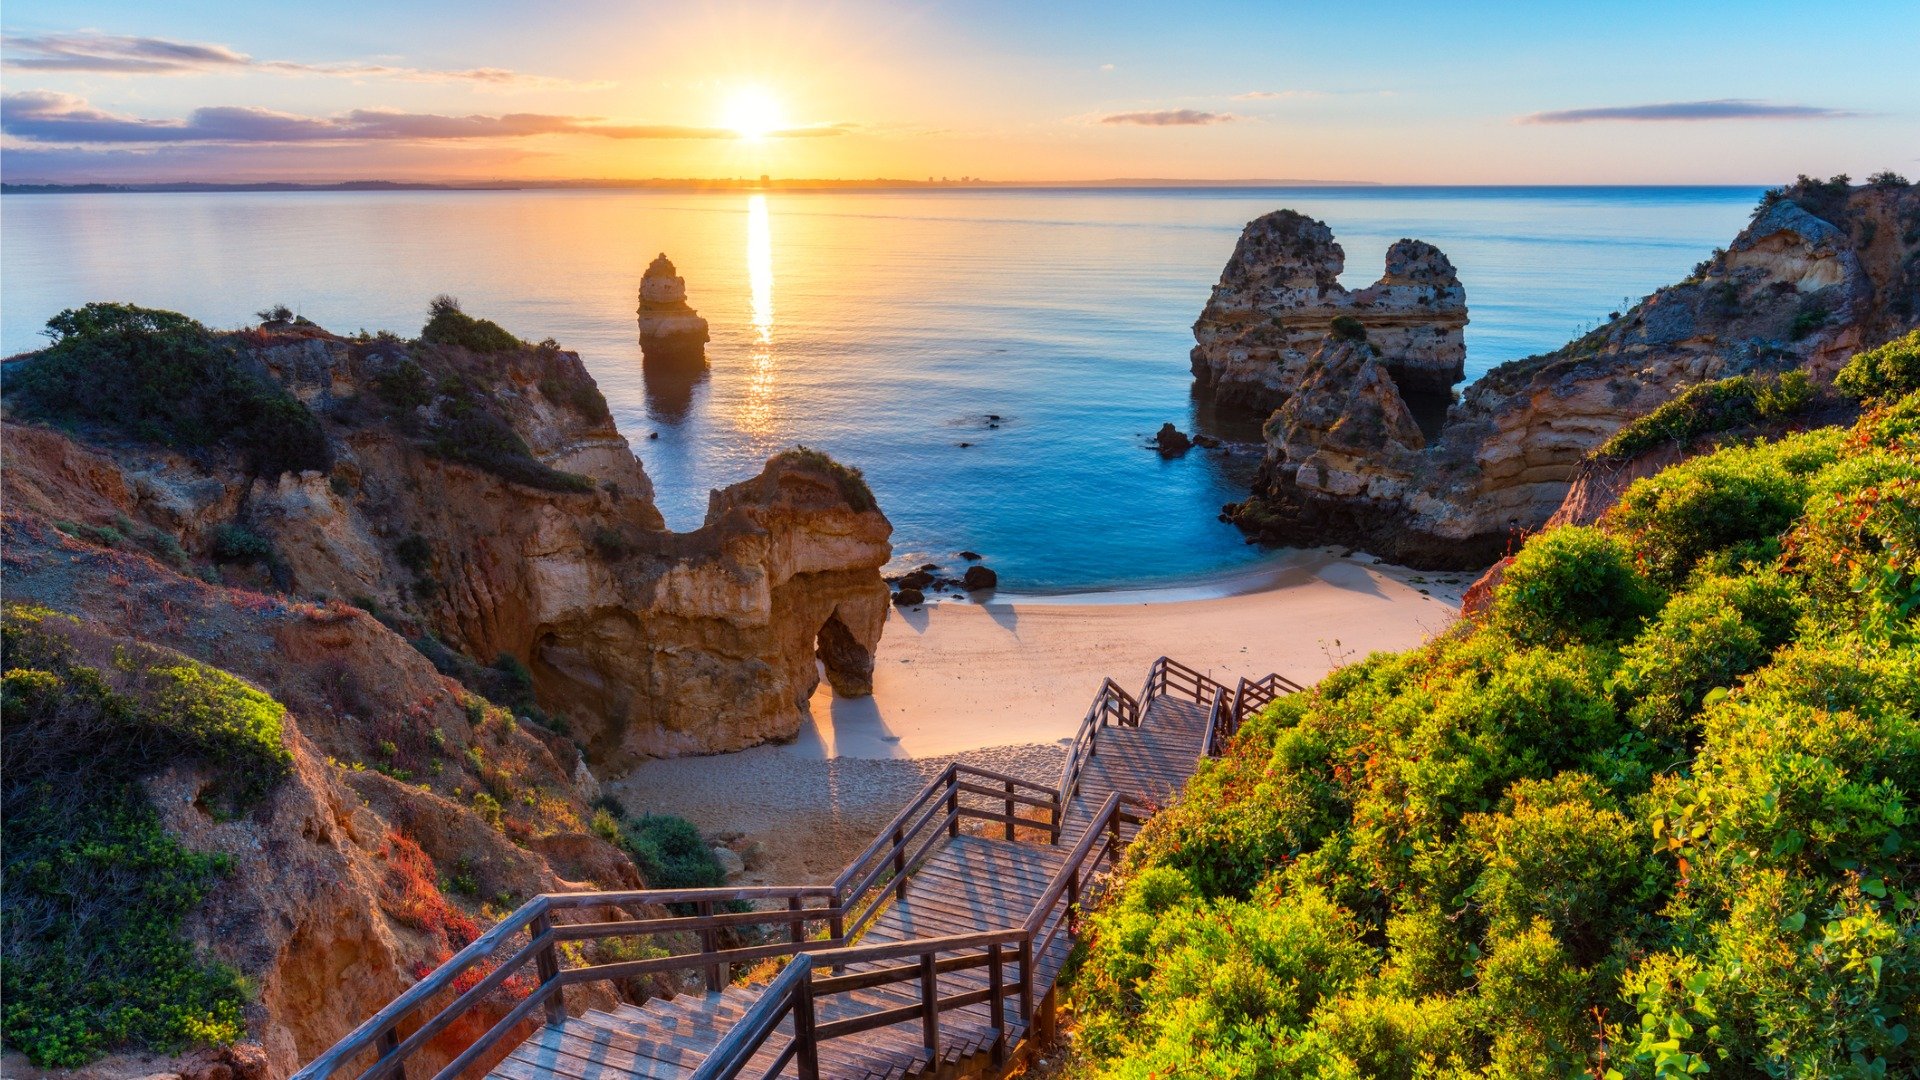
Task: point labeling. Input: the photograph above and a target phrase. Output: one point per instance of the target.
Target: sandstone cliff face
(325, 909)
(1278, 297)
(650, 642)
(1794, 290)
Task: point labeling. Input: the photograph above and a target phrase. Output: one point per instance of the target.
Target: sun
(753, 113)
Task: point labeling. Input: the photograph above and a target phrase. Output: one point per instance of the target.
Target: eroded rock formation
(671, 333)
(1795, 290)
(489, 500)
(1280, 294)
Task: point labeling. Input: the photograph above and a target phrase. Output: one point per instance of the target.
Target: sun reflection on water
(756, 414)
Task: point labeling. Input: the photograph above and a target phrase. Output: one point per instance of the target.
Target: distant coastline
(669, 184)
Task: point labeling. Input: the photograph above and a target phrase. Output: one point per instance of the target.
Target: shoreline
(1005, 682)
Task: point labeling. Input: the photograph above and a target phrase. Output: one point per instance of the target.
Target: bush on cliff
(95, 890)
(448, 325)
(160, 377)
(851, 482)
(1884, 374)
(670, 853)
(1708, 408)
(1651, 815)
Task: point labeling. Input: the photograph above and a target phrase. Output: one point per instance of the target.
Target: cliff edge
(1822, 271)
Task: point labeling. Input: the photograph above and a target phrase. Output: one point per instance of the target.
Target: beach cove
(1004, 684)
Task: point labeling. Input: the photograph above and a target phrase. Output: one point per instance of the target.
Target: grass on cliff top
(92, 958)
(160, 377)
(850, 480)
(1651, 814)
(448, 325)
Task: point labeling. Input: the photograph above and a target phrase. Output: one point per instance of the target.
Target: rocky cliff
(1280, 295)
(328, 545)
(1822, 271)
(486, 499)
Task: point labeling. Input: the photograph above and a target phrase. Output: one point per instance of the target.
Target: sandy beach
(1005, 683)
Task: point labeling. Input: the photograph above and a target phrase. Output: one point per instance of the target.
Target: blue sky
(1391, 92)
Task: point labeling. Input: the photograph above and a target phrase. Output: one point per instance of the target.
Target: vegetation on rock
(1710, 408)
(852, 483)
(160, 377)
(1883, 374)
(448, 325)
(1651, 814)
(95, 888)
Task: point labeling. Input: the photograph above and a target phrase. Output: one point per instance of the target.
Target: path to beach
(1004, 684)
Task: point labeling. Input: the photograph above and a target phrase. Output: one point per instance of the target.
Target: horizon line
(757, 183)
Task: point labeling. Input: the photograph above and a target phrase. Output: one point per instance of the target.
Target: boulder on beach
(1171, 441)
(907, 597)
(980, 577)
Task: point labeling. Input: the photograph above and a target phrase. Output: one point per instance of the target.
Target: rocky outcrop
(1793, 291)
(1280, 295)
(487, 500)
(399, 776)
(671, 333)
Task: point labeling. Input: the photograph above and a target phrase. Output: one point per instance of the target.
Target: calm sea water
(884, 328)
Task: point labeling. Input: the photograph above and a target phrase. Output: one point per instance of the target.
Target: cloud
(1168, 118)
(1106, 67)
(1280, 95)
(121, 54)
(48, 117)
(1719, 109)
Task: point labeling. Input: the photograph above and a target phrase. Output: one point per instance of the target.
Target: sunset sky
(1428, 92)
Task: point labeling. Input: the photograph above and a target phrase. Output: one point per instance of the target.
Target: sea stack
(1280, 295)
(671, 333)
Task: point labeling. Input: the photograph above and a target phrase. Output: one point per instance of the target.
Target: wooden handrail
(790, 993)
(909, 838)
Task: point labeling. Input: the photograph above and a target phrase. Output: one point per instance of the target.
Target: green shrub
(161, 377)
(1347, 328)
(1885, 373)
(1709, 408)
(95, 890)
(1572, 584)
(485, 441)
(404, 385)
(239, 544)
(448, 325)
(1568, 837)
(670, 853)
(1701, 642)
(852, 484)
(1738, 503)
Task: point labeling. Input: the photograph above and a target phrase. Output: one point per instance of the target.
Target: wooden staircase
(934, 953)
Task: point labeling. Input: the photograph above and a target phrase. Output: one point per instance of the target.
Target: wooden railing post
(996, 992)
(1009, 787)
(930, 1003)
(548, 965)
(1059, 813)
(389, 1042)
(1073, 903)
(1026, 983)
(808, 1052)
(710, 942)
(899, 864)
(953, 811)
(797, 929)
(1113, 849)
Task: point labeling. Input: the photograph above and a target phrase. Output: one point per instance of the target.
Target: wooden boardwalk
(971, 883)
(934, 952)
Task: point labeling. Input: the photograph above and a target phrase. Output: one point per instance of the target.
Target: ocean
(887, 328)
